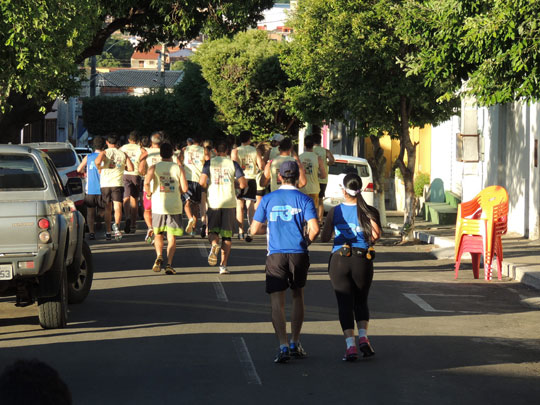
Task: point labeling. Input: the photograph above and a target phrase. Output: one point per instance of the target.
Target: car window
(20, 172)
(339, 168)
(62, 157)
(57, 182)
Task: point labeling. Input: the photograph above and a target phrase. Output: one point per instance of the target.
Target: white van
(346, 164)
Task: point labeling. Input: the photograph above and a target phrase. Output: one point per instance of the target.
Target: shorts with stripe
(170, 223)
(222, 221)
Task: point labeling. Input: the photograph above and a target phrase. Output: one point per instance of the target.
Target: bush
(420, 181)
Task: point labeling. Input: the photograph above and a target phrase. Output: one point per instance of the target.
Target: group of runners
(278, 190)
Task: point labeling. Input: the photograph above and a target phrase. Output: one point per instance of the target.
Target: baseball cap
(289, 169)
(277, 137)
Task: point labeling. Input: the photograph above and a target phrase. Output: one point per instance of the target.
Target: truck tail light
(44, 223)
(369, 187)
(75, 173)
(26, 265)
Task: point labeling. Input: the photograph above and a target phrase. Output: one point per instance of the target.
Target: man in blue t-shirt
(286, 211)
(92, 198)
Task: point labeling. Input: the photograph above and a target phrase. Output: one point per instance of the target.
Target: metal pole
(92, 76)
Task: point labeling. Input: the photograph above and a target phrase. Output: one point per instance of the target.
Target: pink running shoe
(365, 347)
(351, 354)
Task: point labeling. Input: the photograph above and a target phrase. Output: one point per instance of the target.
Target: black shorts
(194, 192)
(132, 185)
(93, 201)
(284, 270)
(321, 193)
(109, 194)
(250, 192)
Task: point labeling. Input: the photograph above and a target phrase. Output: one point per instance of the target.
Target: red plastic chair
(480, 225)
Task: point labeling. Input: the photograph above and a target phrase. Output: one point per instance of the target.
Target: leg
(127, 207)
(148, 218)
(134, 203)
(226, 245)
(187, 208)
(250, 211)
(277, 301)
(297, 317)
(158, 244)
(108, 216)
(171, 247)
(91, 215)
(117, 212)
(240, 215)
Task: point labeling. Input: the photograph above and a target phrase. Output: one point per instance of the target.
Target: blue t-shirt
(92, 175)
(286, 210)
(347, 229)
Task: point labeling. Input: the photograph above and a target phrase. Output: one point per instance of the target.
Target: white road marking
(202, 249)
(246, 361)
(220, 291)
(422, 304)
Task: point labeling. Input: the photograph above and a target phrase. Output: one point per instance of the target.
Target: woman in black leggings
(356, 226)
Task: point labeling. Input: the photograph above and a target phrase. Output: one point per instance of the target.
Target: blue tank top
(347, 229)
(92, 175)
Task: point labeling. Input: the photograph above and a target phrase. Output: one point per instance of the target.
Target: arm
(313, 229)
(265, 178)
(302, 181)
(375, 231)
(322, 169)
(330, 158)
(142, 166)
(328, 229)
(203, 180)
(183, 180)
(144, 154)
(234, 156)
(257, 228)
(242, 182)
(129, 163)
(260, 163)
(82, 166)
(99, 158)
(147, 179)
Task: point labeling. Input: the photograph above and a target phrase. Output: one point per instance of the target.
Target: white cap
(278, 137)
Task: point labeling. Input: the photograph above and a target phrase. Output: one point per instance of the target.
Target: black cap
(289, 169)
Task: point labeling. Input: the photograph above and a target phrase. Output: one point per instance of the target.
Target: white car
(66, 160)
(346, 164)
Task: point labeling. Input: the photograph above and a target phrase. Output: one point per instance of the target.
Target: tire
(53, 311)
(78, 290)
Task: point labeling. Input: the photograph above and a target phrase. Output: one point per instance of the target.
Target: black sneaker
(107, 236)
(283, 356)
(203, 231)
(297, 351)
(127, 226)
(92, 236)
(248, 237)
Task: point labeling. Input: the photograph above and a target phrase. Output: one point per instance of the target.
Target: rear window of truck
(340, 168)
(19, 172)
(61, 157)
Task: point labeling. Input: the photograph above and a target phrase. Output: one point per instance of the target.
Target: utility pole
(93, 76)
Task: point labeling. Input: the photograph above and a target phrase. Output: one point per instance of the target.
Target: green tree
(178, 65)
(247, 83)
(44, 41)
(493, 45)
(347, 69)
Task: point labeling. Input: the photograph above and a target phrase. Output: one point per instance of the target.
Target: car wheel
(53, 311)
(79, 289)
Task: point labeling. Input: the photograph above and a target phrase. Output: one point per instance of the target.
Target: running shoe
(107, 236)
(117, 233)
(248, 237)
(203, 231)
(127, 226)
(223, 270)
(240, 235)
(157, 264)
(365, 347)
(212, 256)
(297, 351)
(92, 236)
(351, 354)
(283, 356)
(169, 269)
(190, 225)
(149, 238)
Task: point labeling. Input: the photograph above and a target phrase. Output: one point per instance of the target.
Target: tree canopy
(493, 44)
(247, 83)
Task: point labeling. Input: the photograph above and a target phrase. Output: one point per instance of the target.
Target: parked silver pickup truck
(43, 255)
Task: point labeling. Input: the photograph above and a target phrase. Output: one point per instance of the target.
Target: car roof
(50, 145)
(351, 159)
(8, 148)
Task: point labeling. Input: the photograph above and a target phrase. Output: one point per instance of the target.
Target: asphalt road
(197, 337)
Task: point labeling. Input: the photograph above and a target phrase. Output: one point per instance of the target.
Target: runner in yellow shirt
(271, 170)
(164, 183)
(314, 167)
(132, 182)
(328, 160)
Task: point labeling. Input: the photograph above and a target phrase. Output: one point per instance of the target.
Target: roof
(140, 78)
(152, 54)
(181, 53)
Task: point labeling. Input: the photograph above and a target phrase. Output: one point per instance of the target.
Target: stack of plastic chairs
(480, 225)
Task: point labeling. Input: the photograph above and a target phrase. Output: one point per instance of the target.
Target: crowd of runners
(233, 187)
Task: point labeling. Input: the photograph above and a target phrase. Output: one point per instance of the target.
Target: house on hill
(124, 82)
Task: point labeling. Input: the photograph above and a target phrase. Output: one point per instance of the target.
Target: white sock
(362, 333)
(283, 346)
(350, 341)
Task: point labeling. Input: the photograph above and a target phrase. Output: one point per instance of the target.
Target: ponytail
(366, 213)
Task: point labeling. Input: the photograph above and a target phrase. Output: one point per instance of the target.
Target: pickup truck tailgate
(18, 227)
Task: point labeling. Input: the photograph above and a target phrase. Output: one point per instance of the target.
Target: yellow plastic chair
(485, 216)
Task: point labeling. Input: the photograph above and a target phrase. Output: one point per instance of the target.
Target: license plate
(6, 272)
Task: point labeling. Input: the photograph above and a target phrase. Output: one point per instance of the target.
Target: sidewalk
(521, 257)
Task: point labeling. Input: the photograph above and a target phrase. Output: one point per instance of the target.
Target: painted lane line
(246, 361)
(220, 291)
(202, 249)
(422, 304)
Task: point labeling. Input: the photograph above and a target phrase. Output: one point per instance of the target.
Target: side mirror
(74, 186)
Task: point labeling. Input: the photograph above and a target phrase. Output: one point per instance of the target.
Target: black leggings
(351, 278)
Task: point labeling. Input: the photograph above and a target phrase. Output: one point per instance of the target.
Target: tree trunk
(378, 163)
(407, 170)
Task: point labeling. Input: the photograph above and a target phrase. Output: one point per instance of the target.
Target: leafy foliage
(494, 44)
(420, 181)
(247, 83)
